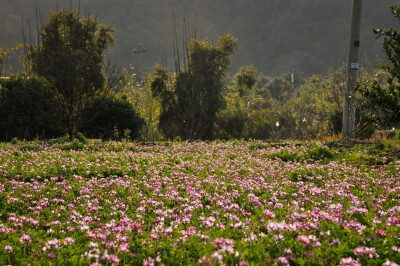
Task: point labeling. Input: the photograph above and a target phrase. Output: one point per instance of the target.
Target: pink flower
(251, 238)
(69, 241)
(153, 236)
(317, 244)
(113, 259)
(56, 223)
(9, 249)
(389, 263)
(380, 233)
(52, 256)
(283, 260)
(269, 214)
(367, 252)
(392, 221)
(216, 256)
(287, 251)
(124, 247)
(205, 260)
(349, 261)
(148, 262)
(304, 239)
(93, 245)
(25, 239)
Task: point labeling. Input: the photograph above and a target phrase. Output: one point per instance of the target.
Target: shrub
(23, 111)
(108, 115)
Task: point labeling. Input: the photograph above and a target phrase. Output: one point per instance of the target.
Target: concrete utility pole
(353, 66)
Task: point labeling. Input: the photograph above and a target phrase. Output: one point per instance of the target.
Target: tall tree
(191, 99)
(385, 100)
(70, 55)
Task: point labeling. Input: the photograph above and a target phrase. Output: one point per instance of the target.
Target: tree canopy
(384, 100)
(70, 55)
(190, 99)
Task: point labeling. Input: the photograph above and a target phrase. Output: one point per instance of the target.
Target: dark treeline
(276, 36)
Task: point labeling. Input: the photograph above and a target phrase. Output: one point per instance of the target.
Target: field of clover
(195, 203)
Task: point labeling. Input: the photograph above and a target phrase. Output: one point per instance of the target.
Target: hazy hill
(275, 35)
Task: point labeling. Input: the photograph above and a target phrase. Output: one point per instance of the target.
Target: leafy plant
(385, 100)
(70, 56)
(191, 99)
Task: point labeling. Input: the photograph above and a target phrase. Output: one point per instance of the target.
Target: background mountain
(277, 36)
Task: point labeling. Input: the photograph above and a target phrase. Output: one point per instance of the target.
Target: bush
(23, 111)
(79, 136)
(230, 124)
(110, 118)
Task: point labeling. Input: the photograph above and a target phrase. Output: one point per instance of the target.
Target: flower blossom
(349, 261)
(8, 249)
(25, 239)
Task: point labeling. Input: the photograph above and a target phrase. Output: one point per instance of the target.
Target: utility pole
(353, 66)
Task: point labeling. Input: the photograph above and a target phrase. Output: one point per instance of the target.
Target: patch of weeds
(285, 156)
(60, 140)
(76, 145)
(259, 146)
(30, 148)
(320, 152)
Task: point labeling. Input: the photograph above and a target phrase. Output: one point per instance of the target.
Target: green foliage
(147, 106)
(79, 136)
(162, 88)
(111, 114)
(70, 56)
(75, 146)
(385, 100)
(318, 104)
(4, 56)
(246, 78)
(319, 152)
(312, 151)
(252, 112)
(191, 99)
(24, 112)
(285, 156)
(231, 121)
(59, 140)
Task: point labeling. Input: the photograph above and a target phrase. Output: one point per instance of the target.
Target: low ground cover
(233, 203)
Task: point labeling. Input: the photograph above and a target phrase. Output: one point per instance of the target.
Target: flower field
(233, 203)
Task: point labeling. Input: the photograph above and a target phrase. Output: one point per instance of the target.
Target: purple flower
(25, 239)
(349, 261)
(69, 241)
(283, 260)
(124, 247)
(216, 256)
(148, 262)
(52, 256)
(367, 252)
(205, 260)
(380, 233)
(389, 263)
(304, 239)
(9, 249)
